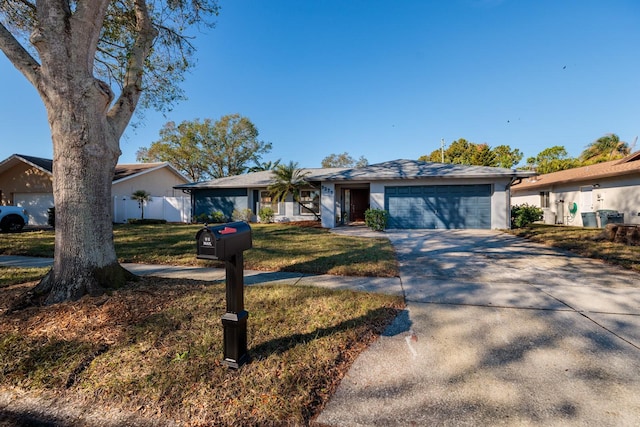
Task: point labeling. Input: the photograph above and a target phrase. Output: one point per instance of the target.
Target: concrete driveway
(499, 330)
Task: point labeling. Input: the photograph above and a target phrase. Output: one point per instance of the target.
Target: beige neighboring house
(27, 181)
(583, 196)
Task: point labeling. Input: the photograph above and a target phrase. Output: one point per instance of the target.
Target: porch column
(328, 204)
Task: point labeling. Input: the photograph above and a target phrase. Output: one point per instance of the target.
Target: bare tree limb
(19, 57)
(87, 22)
(124, 107)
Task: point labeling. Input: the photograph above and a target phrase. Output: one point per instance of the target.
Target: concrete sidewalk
(385, 285)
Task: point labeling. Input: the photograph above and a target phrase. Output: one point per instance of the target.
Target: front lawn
(276, 247)
(153, 349)
(583, 241)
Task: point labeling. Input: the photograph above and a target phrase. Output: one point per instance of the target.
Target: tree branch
(19, 57)
(87, 22)
(28, 4)
(123, 109)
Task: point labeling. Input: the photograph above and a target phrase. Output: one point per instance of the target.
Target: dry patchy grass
(586, 242)
(154, 349)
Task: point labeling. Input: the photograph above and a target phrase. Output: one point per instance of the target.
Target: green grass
(276, 247)
(14, 275)
(157, 344)
(583, 241)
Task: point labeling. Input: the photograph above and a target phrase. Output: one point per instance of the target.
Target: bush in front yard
(376, 219)
(216, 217)
(525, 214)
(146, 221)
(242, 215)
(266, 215)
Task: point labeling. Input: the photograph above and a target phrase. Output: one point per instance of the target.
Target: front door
(358, 204)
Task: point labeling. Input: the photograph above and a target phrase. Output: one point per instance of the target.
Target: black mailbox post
(227, 242)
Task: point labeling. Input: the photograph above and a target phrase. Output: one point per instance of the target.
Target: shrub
(525, 214)
(141, 221)
(216, 217)
(244, 215)
(266, 215)
(376, 219)
(203, 217)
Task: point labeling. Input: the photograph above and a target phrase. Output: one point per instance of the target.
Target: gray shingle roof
(414, 169)
(254, 179)
(392, 170)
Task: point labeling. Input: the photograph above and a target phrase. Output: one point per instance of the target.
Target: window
(544, 199)
(310, 199)
(267, 200)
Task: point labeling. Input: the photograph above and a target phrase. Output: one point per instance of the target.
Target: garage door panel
(36, 204)
(439, 206)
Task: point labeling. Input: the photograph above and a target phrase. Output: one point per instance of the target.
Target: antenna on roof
(633, 145)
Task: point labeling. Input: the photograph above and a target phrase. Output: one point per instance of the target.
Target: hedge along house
(568, 196)
(417, 195)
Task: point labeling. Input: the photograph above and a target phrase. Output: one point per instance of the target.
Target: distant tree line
(552, 159)
(207, 149)
(463, 152)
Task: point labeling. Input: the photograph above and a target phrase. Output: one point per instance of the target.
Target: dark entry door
(359, 204)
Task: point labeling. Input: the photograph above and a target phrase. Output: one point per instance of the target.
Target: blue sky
(389, 79)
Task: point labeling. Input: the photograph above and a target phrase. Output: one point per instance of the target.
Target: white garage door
(36, 205)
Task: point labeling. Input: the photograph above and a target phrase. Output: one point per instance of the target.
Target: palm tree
(288, 179)
(264, 166)
(142, 197)
(608, 147)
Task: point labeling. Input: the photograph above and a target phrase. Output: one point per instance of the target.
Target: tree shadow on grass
(380, 318)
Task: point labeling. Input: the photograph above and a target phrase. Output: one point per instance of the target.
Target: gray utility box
(223, 241)
(607, 216)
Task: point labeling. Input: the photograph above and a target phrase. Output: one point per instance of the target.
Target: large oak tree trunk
(85, 154)
(85, 129)
(86, 126)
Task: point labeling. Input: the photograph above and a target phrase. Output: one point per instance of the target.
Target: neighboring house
(416, 195)
(27, 181)
(570, 195)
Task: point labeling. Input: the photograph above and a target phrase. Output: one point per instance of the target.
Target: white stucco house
(417, 195)
(27, 181)
(581, 196)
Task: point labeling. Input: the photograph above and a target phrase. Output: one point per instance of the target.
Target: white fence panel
(171, 209)
(177, 209)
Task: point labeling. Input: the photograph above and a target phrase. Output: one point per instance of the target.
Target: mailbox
(223, 241)
(227, 242)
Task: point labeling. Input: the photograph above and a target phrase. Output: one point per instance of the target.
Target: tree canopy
(343, 160)
(463, 152)
(605, 148)
(207, 149)
(552, 159)
(259, 166)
